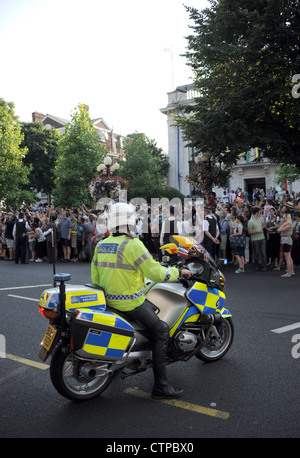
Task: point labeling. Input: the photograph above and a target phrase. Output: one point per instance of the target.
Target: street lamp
(107, 165)
(114, 167)
(107, 184)
(107, 161)
(100, 168)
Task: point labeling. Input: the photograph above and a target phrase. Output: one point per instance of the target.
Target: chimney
(37, 117)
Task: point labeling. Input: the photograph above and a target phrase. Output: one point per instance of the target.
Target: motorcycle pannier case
(101, 334)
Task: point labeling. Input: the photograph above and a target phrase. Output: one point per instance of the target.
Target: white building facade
(180, 156)
(247, 174)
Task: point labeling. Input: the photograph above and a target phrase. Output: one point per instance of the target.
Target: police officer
(20, 230)
(211, 232)
(120, 264)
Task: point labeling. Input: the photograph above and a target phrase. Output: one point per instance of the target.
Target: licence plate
(49, 337)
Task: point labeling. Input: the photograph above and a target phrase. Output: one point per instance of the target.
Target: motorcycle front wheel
(77, 379)
(218, 341)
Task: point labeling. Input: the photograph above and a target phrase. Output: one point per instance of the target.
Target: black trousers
(21, 246)
(159, 330)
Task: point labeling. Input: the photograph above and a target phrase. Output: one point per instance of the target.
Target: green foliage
(13, 172)
(286, 173)
(244, 54)
(79, 154)
(161, 159)
(41, 157)
(168, 192)
(206, 178)
(145, 167)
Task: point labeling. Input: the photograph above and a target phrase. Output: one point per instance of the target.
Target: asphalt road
(252, 392)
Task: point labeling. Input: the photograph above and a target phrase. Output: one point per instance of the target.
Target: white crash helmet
(121, 214)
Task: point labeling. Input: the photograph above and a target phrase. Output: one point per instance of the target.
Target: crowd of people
(40, 234)
(260, 228)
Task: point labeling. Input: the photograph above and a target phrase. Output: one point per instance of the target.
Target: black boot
(162, 388)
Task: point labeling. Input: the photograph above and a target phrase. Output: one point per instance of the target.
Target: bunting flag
(245, 154)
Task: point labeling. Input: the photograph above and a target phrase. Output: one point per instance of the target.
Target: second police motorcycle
(90, 342)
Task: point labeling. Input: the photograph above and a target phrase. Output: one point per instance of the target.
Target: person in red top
(211, 199)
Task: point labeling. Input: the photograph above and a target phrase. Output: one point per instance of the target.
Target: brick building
(112, 141)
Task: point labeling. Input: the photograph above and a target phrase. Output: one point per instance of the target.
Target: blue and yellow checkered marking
(207, 299)
(104, 343)
(190, 315)
(105, 318)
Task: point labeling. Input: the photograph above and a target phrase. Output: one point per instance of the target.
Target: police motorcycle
(90, 342)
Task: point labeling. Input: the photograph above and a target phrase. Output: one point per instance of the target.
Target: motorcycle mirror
(170, 248)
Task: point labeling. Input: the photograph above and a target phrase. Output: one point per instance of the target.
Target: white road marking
(288, 328)
(23, 287)
(22, 297)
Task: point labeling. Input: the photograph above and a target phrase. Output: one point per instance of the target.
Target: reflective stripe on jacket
(120, 265)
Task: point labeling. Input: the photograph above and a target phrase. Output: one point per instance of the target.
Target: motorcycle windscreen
(100, 334)
(207, 299)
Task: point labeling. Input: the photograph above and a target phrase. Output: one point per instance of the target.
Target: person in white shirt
(225, 198)
(168, 228)
(184, 226)
(232, 196)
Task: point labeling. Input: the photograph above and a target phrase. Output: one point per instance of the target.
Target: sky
(119, 57)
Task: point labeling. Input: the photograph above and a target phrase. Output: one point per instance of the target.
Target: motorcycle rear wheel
(68, 379)
(219, 342)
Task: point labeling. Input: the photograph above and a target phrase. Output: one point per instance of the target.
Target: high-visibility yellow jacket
(120, 266)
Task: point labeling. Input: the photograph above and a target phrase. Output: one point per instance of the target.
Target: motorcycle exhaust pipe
(89, 372)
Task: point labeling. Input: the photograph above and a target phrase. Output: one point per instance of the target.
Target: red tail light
(49, 314)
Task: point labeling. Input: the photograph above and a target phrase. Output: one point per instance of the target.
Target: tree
(161, 159)
(145, 167)
(245, 58)
(41, 157)
(205, 178)
(286, 173)
(79, 154)
(13, 172)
